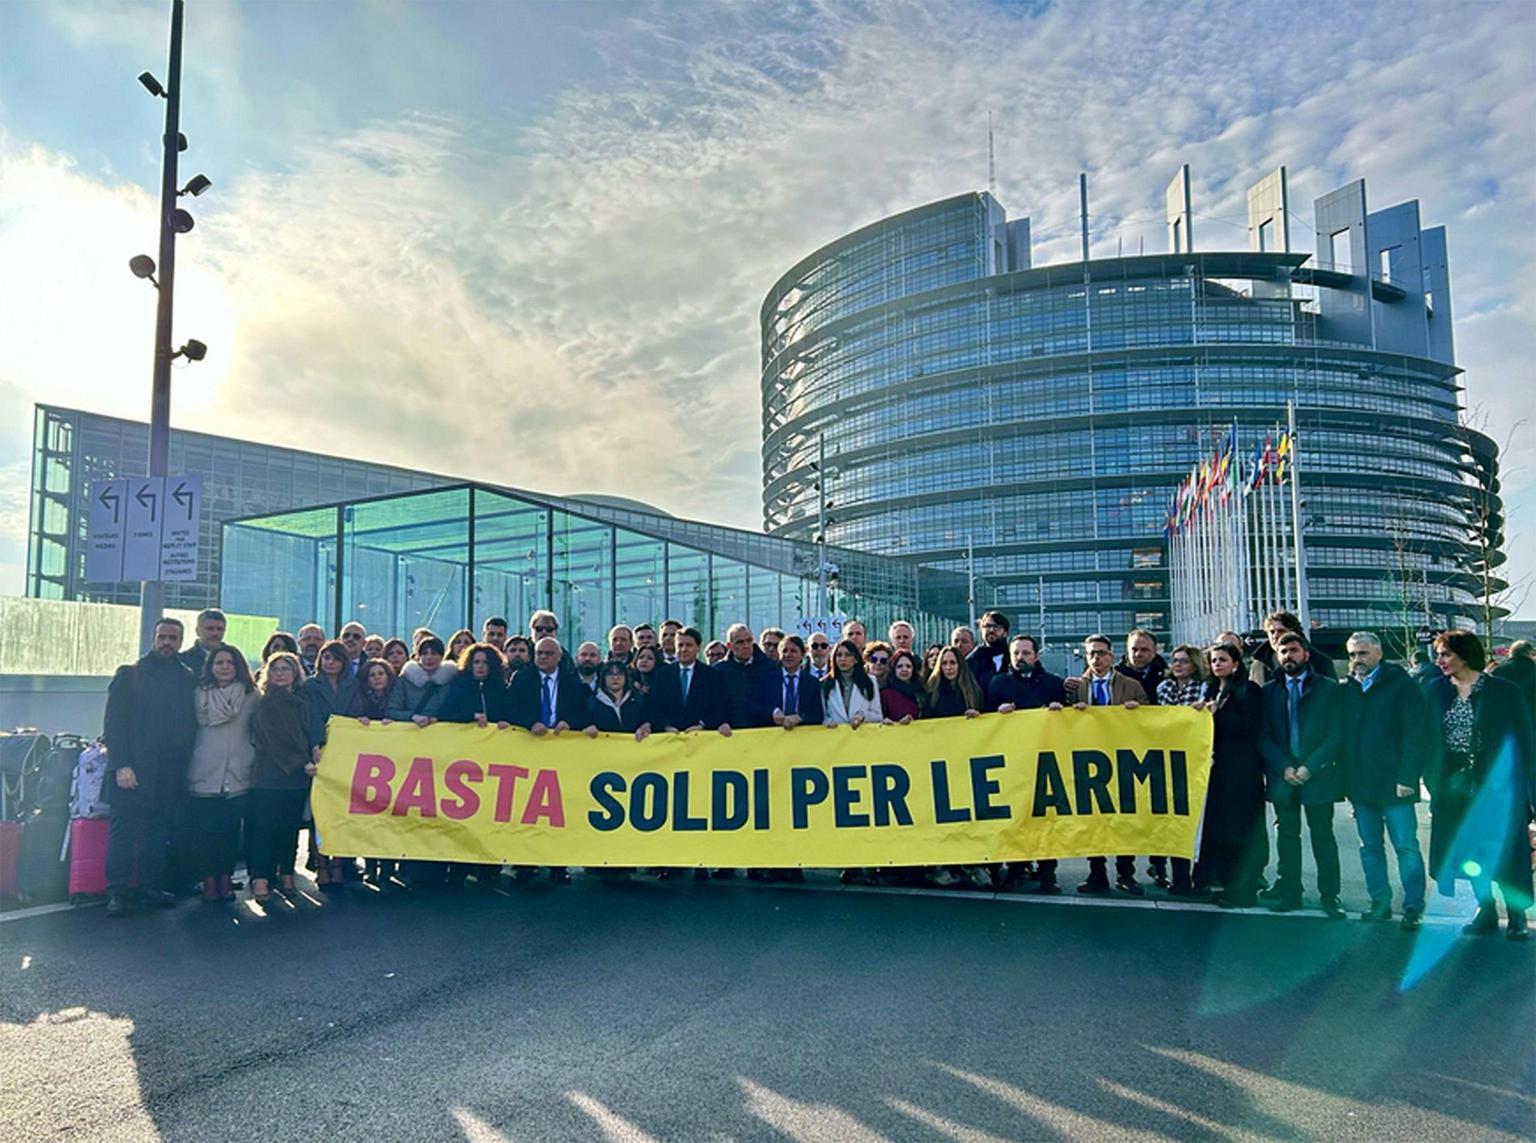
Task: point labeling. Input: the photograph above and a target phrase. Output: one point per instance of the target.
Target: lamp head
(197, 185)
(143, 266)
(181, 222)
(151, 84)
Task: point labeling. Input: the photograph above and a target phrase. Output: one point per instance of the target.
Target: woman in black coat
(1233, 845)
(617, 707)
(1480, 777)
(478, 693)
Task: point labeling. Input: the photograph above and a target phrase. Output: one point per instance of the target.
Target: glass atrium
(450, 557)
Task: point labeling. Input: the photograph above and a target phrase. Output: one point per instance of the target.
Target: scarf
(218, 705)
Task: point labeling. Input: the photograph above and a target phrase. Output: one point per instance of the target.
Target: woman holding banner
(617, 707)
(848, 695)
(951, 692)
(1185, 686)
(850, 698)
(900, 698)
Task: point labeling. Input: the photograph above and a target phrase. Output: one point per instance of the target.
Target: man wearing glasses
(821, 656)
(544, 625)
(1102, 685)
(352, 637)
(990, 659)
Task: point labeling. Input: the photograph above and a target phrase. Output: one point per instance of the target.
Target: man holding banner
(1102, 685)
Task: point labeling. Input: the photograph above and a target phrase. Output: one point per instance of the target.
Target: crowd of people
(212, 761)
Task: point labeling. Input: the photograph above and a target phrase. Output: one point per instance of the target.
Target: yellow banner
(1002, 787)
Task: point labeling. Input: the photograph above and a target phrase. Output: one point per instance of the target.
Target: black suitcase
(43, 877)
(56, 775)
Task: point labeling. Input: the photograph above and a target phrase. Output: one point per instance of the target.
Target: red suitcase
(10, 858)
(88, 857)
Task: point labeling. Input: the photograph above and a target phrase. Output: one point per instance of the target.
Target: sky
(527, 243)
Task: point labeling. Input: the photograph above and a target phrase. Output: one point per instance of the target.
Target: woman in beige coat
(219, 776)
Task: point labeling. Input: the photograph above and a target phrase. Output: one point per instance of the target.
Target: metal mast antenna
(991, 159)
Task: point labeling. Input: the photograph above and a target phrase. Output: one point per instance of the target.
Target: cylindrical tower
(1042, 416)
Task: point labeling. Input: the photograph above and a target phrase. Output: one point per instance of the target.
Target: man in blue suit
(791, 695)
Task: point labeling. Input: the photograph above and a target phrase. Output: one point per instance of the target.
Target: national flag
(1256, 466)
(1282, 457)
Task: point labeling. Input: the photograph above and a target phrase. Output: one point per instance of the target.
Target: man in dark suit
(689, 695)
(1301, 744)
(1027, 685)
(546, 699)
(791, 695)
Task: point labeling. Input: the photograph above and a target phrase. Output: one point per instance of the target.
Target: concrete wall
(54, 704)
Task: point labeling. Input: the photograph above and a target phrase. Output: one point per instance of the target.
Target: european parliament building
(929, 393)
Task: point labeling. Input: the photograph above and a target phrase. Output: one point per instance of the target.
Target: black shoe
(560, 875)
(1413, 920)
(1285, 904)
(1516, 928)
(1333, 909)
(1379, 911)
(1484, 922)
(524, 873)
(701, 875)
(795, 877)
(1046, 886)
(1159, 875)
(723, 874)
(1129, 884)
(1226, 902)
(1188, 893)
(117, 905)
(1095, 886)
(1271, 892)
(157, 898)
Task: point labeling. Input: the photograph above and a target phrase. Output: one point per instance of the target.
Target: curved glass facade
(1029, 423)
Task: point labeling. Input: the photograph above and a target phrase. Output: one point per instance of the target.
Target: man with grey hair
(1386, 734)
(1520, 668)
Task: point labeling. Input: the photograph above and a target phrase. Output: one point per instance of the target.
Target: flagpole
(1303, 608)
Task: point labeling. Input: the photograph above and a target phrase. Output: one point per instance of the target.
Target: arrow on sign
(183, 496)
(149, 503)
(110, 499)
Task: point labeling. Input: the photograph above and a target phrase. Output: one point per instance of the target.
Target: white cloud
(570, 303)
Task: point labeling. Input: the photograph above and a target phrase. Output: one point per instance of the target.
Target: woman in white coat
(848, 695)
(851, 698)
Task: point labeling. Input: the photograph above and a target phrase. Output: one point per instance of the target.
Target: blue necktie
(549, 701)
(790, 704)
(1293, 714)
(687, 678)
(1100, 692)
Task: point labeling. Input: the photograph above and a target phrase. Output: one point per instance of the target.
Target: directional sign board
(104, 548)
(144, 528)
(141, 544)
(182, 505)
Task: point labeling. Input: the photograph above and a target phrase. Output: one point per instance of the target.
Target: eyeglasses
(353, 637)
(820, 646)
(879, 658)
(544, 628)
(1185, 659)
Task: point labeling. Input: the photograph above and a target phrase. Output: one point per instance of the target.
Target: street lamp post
(152, 593)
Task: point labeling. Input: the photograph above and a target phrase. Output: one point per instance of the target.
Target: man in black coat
(742, 673)
(150, 727)
(1520, 668)
(1301, 748)
(990, 657)
(689, 694)
(1142, 662)
(1027, 685)
(1386, 742)
(211, 625)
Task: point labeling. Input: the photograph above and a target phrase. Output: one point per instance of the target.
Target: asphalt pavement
(722, 1011)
